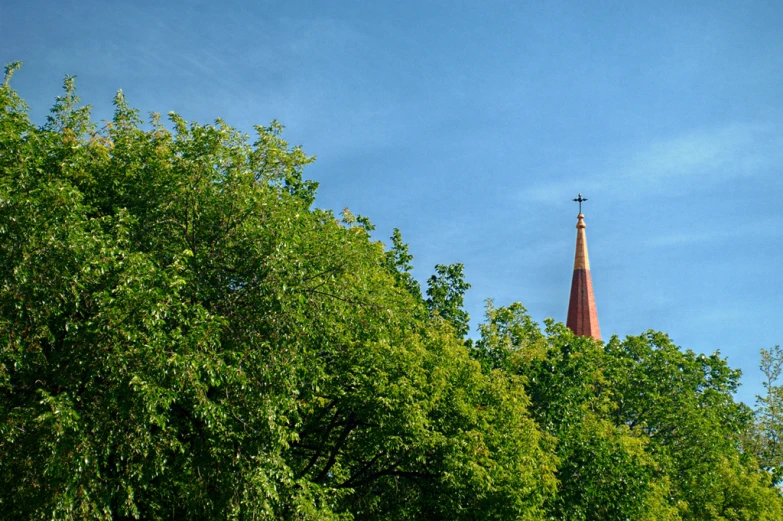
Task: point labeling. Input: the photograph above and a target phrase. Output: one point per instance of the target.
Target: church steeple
(582, 313)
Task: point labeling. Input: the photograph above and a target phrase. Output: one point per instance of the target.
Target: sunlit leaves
(766, 441)
(184, 336)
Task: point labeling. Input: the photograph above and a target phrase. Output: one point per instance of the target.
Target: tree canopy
(184, 335)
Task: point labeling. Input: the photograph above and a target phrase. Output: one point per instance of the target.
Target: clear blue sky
(472, 125)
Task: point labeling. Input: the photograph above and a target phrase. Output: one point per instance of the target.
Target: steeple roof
(582, 313)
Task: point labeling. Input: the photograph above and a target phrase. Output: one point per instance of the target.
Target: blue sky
(471, 126)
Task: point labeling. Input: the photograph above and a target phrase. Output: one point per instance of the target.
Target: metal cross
(580, 200)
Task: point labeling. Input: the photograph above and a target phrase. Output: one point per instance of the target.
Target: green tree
(682, 404)
(398, 260)
(604, 472)
(445, 296)
(183, 335)
(767, 436)
(643, 429)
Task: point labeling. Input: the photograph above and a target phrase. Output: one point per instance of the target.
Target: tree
(681, 403)
(643, 429)
(398, 260)
(182, 334)
(604, 473)
(445, 295)
(767, 439)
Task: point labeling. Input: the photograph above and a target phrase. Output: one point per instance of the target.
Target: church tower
(582, 313)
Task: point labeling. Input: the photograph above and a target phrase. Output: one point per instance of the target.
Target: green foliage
(446, 291)
(182, 335)
(766, 441)
(682, 403)
(398, 261)
(643, 429)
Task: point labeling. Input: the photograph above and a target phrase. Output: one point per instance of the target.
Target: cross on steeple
(580, 200)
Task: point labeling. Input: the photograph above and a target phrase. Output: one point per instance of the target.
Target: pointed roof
(582, 313)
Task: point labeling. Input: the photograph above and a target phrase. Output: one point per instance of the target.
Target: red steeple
(582, 313)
